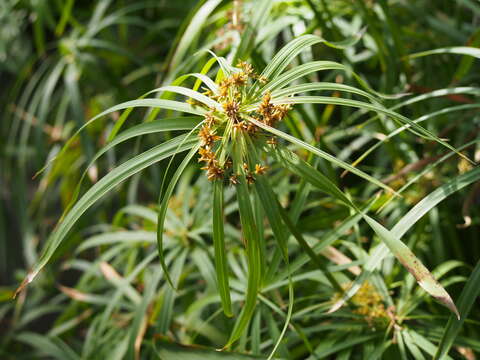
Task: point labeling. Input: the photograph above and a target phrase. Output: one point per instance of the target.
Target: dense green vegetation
(274, 179)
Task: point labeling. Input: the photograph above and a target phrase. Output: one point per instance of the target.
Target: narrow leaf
(459, 50)
(467, 298)
(408, 259)
(219, 247)
(163, 206)
(320, 153)
(98, 190)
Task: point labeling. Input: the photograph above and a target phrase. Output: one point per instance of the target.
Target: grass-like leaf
(250, 238)
(362, 105)
(467, 298)
(408, 259)
(164, 199)
(103, 186)
(219, 248)
(405, 223)
(320, 153)
(460, 50)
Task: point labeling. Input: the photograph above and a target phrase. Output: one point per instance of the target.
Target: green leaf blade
(220, 250)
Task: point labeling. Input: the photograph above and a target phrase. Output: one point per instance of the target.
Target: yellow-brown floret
(216, 134)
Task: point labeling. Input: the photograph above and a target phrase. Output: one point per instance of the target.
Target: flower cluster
(221, 126)
(369, 304)
(271, 114)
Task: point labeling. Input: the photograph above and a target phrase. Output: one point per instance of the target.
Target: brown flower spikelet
(231, 114)
(207, 135)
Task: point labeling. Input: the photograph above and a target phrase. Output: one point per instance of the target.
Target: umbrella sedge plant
(235, 129)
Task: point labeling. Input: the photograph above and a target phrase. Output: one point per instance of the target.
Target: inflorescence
(221, 126)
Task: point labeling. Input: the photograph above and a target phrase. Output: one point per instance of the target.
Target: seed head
(231, 109)
(241, 126)
(233, 180)
(207, 135)
(260, 170)
(238, 79)
(272, 141)
(266, 107)
(213, 172)
(262, 79)
(210, 120)
(247, 68)
(250, 179)
(223, 88)
(206, 155)
(251, 128)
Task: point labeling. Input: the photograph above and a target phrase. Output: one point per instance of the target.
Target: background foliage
(104, 293)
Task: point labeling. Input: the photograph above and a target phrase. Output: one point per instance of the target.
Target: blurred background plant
(104, 293)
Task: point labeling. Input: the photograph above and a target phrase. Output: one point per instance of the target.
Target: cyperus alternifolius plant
(235, 129)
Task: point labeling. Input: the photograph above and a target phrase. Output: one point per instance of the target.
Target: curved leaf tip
(426, 280)
(414, 266)
(28, 279)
